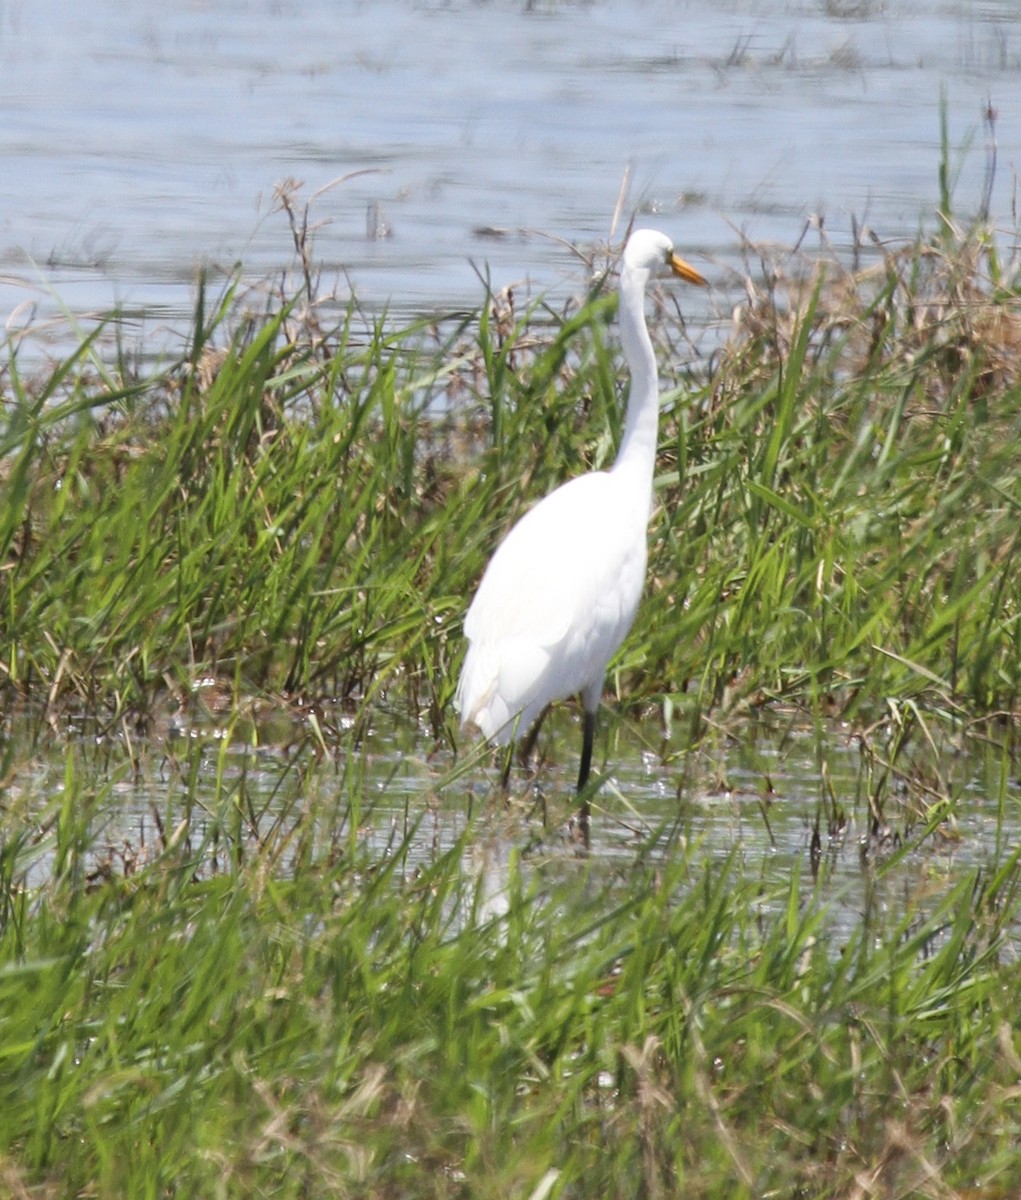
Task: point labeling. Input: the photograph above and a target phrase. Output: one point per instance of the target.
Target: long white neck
(637, 453)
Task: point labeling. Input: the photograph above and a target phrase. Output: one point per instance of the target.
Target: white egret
(561, 591)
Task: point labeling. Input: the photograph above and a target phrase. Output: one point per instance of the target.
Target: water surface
(774, 796)
(143, 142)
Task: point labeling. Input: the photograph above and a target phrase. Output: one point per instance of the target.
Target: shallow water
(141, 143)
(772, 795)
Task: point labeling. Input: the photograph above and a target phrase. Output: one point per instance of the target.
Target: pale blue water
(141, 141)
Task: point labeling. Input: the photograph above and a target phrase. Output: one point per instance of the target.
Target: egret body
(561, 591)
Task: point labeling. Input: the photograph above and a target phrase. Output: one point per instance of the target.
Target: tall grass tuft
(839, 525)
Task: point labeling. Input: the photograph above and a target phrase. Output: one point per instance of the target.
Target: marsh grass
(843, 518)
(261, 993)
(304, 516)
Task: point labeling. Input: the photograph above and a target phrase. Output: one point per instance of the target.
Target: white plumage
(562, 589)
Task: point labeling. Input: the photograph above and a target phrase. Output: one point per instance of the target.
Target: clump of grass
(841, 497)
(285, 516)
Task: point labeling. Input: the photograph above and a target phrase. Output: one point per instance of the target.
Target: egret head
(653, 252)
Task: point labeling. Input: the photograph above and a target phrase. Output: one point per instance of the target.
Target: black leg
(587, 738)
(528, 745)
(525, 749)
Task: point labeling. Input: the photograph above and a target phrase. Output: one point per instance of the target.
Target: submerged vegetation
(257, 1000)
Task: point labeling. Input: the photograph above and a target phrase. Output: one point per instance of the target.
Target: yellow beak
(686, 270)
